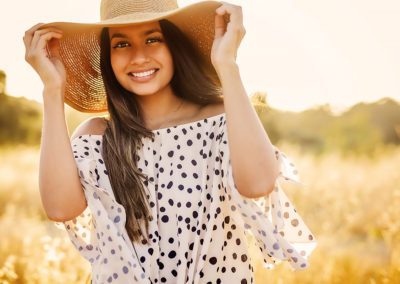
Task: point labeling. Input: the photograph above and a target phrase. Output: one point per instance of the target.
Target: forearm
(60, 189)
(254, 165)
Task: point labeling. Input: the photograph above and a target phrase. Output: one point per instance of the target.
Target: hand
(227, 35)
(42, 53)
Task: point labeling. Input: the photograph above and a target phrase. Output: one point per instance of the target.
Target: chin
(143, 92)
(146, 90)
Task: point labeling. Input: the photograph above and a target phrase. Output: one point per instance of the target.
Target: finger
(235, 12)
(34, 28)
(29, 33)
(54, 47)
(39, 33)
(45, 39)
(41, 48)
(33, 36)
(234, 23)
(219, 26)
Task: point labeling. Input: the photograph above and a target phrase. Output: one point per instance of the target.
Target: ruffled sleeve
(81, 228)
(278, 230)
(99, 232)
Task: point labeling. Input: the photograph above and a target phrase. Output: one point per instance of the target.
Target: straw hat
(80, 49)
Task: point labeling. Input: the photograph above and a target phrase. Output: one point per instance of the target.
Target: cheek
(117, 68)
(169, 62)
(113, 60)
(116, 63)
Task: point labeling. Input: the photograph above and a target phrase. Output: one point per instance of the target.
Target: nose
(139, 55)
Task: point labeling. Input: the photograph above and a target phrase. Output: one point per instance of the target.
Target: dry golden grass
(32, 250)
(351, 204)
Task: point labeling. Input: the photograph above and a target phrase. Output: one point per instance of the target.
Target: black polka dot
(172, 254)
(160, 264)
(189, 200)
(213, 260)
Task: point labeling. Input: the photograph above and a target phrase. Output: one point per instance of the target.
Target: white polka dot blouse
(202, 227)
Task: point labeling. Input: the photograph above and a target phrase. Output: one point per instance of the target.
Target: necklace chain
(180, 105)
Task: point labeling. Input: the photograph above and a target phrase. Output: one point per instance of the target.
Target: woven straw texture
(80, 50)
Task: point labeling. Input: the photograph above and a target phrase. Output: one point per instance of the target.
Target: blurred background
(324, 77)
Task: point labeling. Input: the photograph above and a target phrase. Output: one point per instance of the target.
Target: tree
(2, 82)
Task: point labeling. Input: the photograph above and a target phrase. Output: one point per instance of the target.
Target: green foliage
(354, 133)
(20, 121)
(384, 115)
(2, 82)
(361, 129)
(306, 128)
(266, 115)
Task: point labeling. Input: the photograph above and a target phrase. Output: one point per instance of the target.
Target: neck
(161, 108)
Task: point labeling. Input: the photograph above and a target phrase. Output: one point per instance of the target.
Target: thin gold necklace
(182, 100)
(180, 105)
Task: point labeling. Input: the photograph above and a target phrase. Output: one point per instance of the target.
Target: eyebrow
(145, 33)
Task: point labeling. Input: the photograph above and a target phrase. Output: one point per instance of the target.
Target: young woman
(167, 187)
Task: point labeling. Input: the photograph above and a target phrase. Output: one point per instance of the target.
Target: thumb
(54, 47)
(219, 26)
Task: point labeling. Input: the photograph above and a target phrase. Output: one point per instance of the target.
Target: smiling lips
(143, 76)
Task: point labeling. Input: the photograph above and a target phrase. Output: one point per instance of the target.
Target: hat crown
(113, 8)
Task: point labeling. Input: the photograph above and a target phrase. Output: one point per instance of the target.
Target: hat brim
(80, 50)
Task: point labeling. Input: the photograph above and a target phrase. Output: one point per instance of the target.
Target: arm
(254, 165)
(60, 189)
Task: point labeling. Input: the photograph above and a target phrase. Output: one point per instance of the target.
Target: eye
(121, 44)
(154, 39)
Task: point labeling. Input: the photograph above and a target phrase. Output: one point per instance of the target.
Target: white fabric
(200, 222)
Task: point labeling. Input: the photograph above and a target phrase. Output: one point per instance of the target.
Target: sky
(302, 53)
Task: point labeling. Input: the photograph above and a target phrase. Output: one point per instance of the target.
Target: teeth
(142, 74)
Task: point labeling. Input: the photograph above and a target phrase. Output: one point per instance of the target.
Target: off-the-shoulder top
(201, 223)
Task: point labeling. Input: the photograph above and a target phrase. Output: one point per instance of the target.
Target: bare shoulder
(94, 125)
(213, 109)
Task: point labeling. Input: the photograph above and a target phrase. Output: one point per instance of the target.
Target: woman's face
(140, 58)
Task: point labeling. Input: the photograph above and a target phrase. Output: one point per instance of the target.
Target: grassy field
(351, 204)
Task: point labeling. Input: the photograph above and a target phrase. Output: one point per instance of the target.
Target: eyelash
(156, 38)
(122, 44)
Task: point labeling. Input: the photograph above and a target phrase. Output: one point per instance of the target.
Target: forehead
(135, 30)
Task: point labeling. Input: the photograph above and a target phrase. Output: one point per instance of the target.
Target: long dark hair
(125, 128)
